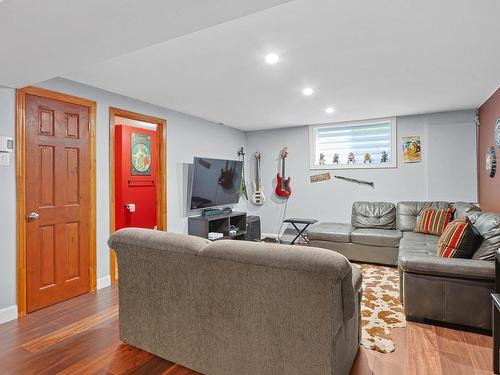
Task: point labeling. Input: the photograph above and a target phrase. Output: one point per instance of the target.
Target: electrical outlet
(4, 158)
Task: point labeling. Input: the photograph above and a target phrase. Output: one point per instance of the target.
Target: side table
(306, 222)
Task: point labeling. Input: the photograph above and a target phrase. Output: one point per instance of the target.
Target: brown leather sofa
(450, 290)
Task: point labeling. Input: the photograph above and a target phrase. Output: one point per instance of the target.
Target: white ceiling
(41, 39)
(367, 59)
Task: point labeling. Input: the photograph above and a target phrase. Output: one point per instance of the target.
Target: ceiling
(41, 39)
(367, 59)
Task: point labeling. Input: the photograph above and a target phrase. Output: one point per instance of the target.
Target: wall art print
(320, 177)
(140, 155)
(412, 149)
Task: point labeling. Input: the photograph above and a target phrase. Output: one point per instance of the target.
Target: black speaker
(253, 228)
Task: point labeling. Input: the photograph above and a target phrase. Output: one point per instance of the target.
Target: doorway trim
(161, 190)
(21, 185)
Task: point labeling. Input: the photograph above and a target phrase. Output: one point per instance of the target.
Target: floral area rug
(381, 308)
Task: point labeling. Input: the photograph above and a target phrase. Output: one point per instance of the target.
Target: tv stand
(221, 223)
(215, 211)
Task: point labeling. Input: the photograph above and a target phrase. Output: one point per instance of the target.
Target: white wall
(447, 171)
(187, 136)
(7, 205)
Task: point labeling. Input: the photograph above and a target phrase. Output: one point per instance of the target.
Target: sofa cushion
(415, 247)
(419, 237)
(287, 257)
(417, 250)
(488, 226)
(407, 213)
(463, 209)
(335, 232)
(418, 243)
(376, 237)
(456, 268)
(147, 239)
(425, 240)
(373, 215)
(457, 240)
(432, 221)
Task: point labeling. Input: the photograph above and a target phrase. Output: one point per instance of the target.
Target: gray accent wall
(187, 136)
(447, 172)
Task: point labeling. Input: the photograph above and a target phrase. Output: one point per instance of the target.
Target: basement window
(353, 145)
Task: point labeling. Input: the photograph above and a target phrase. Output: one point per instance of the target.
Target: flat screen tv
(215, 182)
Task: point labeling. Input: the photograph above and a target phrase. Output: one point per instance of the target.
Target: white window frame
(394, 152)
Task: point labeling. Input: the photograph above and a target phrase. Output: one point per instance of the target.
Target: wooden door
(57, 201)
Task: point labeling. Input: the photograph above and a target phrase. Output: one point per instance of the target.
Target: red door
(136, 164)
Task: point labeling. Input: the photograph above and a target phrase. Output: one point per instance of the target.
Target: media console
(221, 223)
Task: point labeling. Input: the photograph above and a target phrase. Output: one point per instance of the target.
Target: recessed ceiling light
(307, 91)
(272, 58)
(330, 110)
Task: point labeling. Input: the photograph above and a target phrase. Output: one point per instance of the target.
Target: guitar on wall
(282, 185)
(226, 179)
(258, 196)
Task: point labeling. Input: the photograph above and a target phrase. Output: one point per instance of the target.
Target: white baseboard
(103, 282)
(8, 313)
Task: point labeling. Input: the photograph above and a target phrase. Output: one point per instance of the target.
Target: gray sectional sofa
(371, 236)
(237, 307)
(450, 290)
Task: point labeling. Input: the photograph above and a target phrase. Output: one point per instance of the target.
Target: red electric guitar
(282, 185)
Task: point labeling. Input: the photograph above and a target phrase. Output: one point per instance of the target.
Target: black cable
(282, 219)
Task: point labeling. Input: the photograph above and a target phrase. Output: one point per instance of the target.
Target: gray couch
(455, 291)
(370, 237)
(236, 307)
(450, 290)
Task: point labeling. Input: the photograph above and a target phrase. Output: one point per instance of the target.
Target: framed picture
(140, 155)
(412, 149)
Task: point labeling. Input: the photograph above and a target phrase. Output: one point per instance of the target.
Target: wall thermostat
(6, 144)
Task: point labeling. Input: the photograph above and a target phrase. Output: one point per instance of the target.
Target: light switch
(4, 158)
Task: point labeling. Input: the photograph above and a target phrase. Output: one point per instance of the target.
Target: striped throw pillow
(431, 221)
(457, 240)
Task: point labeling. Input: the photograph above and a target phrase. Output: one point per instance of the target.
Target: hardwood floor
(423, 349)
(80, 336)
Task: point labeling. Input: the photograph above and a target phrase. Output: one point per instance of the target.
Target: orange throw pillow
(433, 221)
